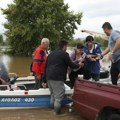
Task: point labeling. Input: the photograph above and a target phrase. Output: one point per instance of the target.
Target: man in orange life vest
(39, 61)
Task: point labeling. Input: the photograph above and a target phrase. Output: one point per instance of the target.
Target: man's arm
(73, 58)
(106, 51)
(117, 45)
(69, 62)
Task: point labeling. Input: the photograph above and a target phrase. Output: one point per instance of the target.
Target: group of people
(51, 70)
(88, 56)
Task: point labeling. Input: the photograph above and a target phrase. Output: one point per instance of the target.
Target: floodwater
(17, 64)
(21, 66)
(38, 114)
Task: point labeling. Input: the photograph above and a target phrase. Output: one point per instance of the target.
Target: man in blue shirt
(114, 49)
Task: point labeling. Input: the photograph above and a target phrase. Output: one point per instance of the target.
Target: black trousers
(114, 71)
(74, 75)
(38, 82)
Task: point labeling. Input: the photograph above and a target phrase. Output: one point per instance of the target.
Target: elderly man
(39, 61)
(114, 49)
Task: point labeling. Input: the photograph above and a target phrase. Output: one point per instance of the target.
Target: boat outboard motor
(3, 73)
(4, 77)
(12, 80)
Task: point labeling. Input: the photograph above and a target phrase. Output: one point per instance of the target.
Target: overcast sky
(95, 13)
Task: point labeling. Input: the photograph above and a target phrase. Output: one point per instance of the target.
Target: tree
(31, 20)
(103, 42)
(74, 42)
(1, 39)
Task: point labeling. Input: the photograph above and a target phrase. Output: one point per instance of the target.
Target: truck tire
(114, 117)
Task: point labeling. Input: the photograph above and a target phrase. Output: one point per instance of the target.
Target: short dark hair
(107, 25)
(89, 39)
(62, 43)
(80, 46)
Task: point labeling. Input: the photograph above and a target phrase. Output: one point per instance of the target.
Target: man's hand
(118, 75)
(110, 57)
(81, 60)
(44, 85)
(91, 57)
(31, 74)
(81, 64)
(38, 77)
(98, 57)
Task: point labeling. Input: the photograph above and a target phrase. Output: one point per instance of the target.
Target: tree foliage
(74, 42)
(31, 20)
(103, 42)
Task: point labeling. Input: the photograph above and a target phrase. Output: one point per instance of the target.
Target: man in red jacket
(39, 61)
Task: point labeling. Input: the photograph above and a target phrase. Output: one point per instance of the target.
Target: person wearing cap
(39, 61)
(114, 50)
(93, 55)
(78, 56)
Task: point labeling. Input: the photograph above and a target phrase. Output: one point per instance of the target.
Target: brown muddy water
(38, 114)
(17, 64)
(21, 66)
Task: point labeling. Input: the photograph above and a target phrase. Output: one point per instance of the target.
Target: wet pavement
(38, 114)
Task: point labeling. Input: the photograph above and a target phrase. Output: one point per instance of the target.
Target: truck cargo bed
(90, 98)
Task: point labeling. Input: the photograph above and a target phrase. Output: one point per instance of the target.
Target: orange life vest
(39, 61)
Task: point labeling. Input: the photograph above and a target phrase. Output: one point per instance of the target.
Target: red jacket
(39, 61)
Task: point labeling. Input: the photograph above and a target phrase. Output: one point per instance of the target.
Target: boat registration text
(17, 100)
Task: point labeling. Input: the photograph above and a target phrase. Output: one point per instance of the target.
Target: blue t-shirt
(112, 40)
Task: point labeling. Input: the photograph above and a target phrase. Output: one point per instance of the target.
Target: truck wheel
(114, 117)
